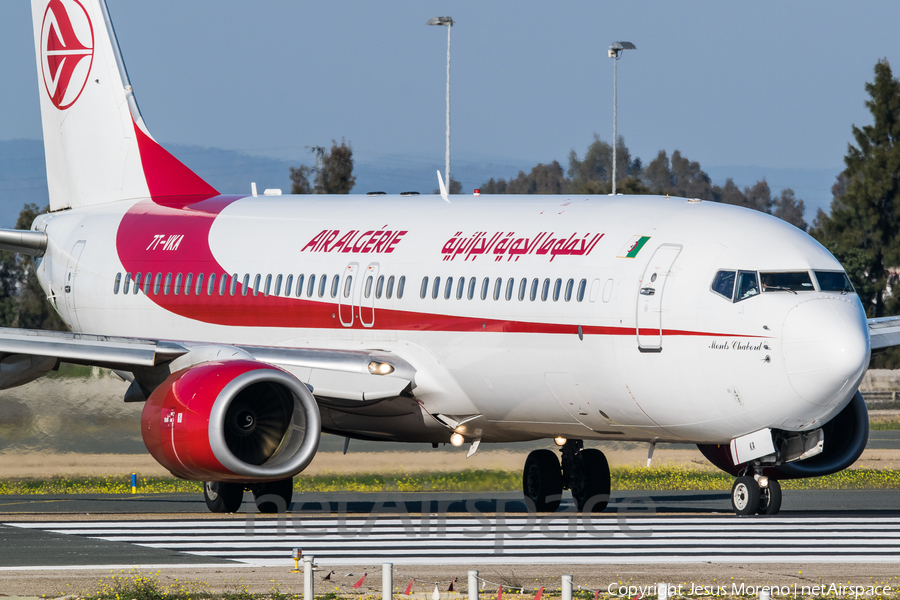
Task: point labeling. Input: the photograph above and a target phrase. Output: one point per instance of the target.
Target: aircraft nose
(826, 348)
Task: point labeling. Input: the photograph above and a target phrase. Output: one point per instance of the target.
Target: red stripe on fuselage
(146, 220)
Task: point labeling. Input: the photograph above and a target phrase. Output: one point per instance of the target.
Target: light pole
(449, 23)
(614, 51)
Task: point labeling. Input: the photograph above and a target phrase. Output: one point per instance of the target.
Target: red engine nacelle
(234, 420)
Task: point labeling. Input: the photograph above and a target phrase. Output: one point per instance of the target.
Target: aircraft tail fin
(97, 147)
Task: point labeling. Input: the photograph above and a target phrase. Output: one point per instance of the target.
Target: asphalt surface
(839, 502)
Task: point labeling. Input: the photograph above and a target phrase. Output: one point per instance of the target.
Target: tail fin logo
(67, 51)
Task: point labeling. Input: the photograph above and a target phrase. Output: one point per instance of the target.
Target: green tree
(790, 209)
(332, 173)
(597, 164)
(863, 229)
(336, 175)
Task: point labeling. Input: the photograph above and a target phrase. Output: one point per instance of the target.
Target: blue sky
(761, 84)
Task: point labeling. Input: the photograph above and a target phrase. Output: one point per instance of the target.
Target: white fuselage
(646, 351)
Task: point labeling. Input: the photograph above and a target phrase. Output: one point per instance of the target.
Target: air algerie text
(364, 242)
(512, 245)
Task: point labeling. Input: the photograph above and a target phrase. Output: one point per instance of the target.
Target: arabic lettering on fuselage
(364, 242)
(512, 246)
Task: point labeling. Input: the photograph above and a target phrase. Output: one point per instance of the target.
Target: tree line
(675, 176)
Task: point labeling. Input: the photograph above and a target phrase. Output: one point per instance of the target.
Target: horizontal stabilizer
(23, 241)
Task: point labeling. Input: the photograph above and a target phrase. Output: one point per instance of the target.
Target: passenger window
(199, 286)
(607, 290)
(569, 285)
(424, 289)
(335, 285)
(210, 284)
(436, 288)
(177, 284)
(472, 284)
(256, 281)
(523, 287)
(137, 283)
(379, 287)
(118, 283)
(557, 287)
(448, 289)
(545, 290)
(461, 288)
(223, 282)
(368, 289)
(277, 285)
(268, 286)
(400, 285)
(534, 289)
(723, 284)
(188, 281)
(127, 283)
(245, 286)
(168, 284)
(510, 286)
(148, 280)
(390, 287)
(582, 286)
(156, 282)
(234, 282)
(289, 285)
(498, 285)
(830, 281)
(748, 285)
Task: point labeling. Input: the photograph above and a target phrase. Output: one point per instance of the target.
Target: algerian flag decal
(634, 245)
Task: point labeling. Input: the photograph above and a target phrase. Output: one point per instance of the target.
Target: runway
(483, 539)
(828, 526)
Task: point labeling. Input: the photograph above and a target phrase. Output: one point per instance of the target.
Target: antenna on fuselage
(443, 188)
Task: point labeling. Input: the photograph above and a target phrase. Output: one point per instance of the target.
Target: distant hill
(23, 176)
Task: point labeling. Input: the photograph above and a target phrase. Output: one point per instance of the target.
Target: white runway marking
(548, 539)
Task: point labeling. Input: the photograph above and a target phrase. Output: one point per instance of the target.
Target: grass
(623, 478)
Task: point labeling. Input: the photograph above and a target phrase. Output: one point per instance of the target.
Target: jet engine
(845, 438)
(234, 420)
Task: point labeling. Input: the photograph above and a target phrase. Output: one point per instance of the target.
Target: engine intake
(234, 420)
(845, 435)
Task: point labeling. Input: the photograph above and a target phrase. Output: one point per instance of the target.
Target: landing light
(380, 368)
(560, 441)
(763, 482)
(457, 440)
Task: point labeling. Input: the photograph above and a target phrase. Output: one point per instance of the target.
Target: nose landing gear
(755, 494)
(584, 471)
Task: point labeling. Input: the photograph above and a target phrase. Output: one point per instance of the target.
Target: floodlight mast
(448, 22)
(615, 50)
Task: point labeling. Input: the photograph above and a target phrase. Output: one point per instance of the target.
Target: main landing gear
(584, 472)
(270, 497)
(755, 494)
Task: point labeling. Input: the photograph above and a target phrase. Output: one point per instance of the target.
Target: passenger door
(367, 296)
(69, 283)
(649, 302)
(346, 296)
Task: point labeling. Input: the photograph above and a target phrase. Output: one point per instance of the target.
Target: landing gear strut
(585, 472)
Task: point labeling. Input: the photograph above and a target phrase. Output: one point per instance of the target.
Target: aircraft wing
(884, 332)
(341, 374)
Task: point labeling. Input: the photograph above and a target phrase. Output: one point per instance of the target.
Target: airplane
(249, 324)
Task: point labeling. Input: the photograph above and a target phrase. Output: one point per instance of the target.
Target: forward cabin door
(346, 295)
(649, 302)
(69, 283)
(367, 296)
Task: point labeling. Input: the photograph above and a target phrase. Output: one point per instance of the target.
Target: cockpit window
(797, 281)
(830, 281)
(723, 284)
(748, 285)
